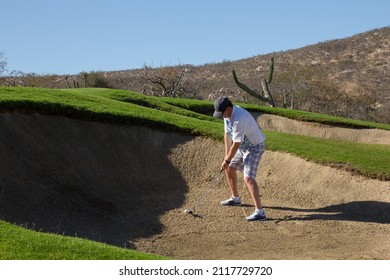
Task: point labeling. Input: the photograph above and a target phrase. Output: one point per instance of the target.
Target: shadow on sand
(97, 181)
(356, 211)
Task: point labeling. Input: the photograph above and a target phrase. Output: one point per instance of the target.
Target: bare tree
(294, 83)
(3, 63)
(94, 79)
(169, 81)
(301, 88)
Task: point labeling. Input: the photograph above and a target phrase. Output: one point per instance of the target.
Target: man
(244, 147)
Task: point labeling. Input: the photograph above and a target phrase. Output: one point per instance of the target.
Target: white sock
(260, 211)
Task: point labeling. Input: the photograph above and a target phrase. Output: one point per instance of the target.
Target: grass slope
(206, 107)
(318, 118)
(18, 243)
(107, 106)
(369, 160)
(179, 115)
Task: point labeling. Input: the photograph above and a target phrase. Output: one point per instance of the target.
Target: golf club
(200, 200)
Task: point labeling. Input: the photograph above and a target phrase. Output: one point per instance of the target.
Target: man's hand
(224, 165)
(230, 154)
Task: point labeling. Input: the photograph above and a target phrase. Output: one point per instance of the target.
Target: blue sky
(71, 36)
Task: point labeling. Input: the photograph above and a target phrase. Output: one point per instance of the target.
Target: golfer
(244, 147)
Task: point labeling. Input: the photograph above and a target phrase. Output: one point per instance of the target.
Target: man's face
(227, 113)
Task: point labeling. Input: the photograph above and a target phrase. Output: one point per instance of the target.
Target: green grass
(18, 243)
(206, 107)
(98, 105)
(369, 160)
(178, 115)
(186, 107)
(318, 118)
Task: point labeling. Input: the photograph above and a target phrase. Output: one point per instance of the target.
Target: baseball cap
(220, 105)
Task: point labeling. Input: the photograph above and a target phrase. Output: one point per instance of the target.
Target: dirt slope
(128, 186)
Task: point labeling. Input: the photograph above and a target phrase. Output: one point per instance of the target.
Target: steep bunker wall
(100, 181)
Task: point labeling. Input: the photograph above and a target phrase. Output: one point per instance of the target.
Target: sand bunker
(128, 186)
(282, 124)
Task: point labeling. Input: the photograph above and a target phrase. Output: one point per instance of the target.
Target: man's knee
(231, 171)
(249, 180)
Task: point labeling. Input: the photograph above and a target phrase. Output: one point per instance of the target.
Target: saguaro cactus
(265, 95)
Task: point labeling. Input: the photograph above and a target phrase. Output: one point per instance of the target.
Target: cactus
(271, 71)
(265, 96)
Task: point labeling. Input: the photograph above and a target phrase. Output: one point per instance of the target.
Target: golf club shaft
(207, 190)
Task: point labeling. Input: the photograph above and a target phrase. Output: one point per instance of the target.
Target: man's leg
(259, 214)
(237, 163)
(231, 177)
(254, 191)
(252, 162)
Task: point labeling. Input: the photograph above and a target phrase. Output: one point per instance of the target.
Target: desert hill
(353, 71)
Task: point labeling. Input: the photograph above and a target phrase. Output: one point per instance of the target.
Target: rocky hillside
(350, 70)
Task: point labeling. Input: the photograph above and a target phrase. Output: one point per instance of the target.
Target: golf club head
(192, 213)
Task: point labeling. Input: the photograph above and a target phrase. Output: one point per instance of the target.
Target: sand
(128, 186)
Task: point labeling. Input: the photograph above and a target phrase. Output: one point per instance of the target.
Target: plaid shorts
(248, 160)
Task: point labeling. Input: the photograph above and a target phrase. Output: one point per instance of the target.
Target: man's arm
(228, 143)
(230, 149)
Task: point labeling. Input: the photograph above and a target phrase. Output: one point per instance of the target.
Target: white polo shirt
(243, 128)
